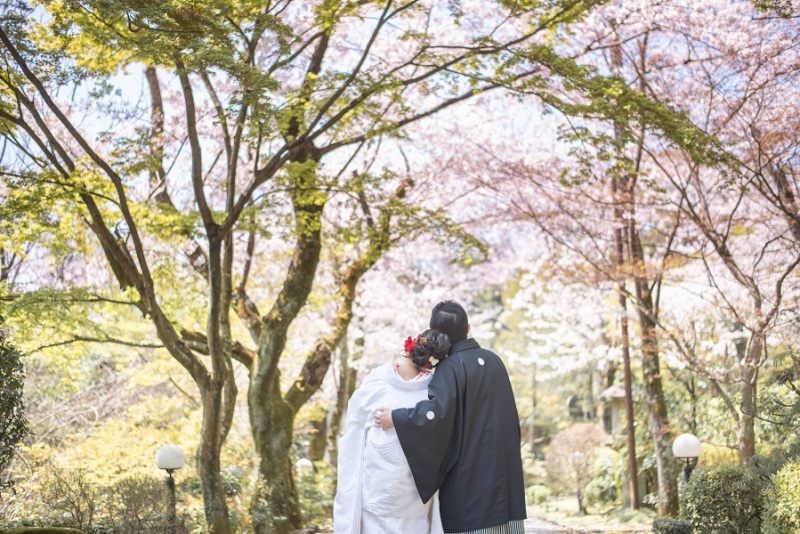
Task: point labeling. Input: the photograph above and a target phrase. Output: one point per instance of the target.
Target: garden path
(534, 525)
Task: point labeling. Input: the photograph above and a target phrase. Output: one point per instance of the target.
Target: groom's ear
(468, 328)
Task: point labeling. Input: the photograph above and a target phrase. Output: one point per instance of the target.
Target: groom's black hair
(450, 318)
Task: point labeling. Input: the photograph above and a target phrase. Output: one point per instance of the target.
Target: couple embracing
(432, 442)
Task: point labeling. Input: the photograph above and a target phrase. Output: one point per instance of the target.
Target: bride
(375, 493)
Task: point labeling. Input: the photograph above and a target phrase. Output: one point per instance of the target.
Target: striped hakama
(513, 527)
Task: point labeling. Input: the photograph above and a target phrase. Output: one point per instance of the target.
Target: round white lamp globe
(686, 446)
(304, 464)
(170, 457)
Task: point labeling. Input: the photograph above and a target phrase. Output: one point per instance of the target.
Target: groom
(465, 439)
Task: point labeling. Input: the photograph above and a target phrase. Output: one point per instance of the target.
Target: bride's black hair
(431, 343)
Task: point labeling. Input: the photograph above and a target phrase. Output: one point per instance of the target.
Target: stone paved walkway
(537, 526)
(534, 525)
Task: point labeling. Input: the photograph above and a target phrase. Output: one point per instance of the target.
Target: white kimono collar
(396, 381)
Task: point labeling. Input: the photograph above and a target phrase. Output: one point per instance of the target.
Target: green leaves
(723, 498)
(781, 513)
(34, 208)
(13, 423)
(609, 99)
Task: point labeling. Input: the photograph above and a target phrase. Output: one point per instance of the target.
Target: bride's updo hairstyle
(431, 344)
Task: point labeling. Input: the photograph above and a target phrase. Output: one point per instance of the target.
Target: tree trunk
(319, 439)
(659, 420)
(608, 381)
(633, 471)
(581, 508)
(692, 387)
(651, 372)
(532, 427)
(217, 410)
(347, 386)
(747, 432)
(619, 190)
(275, 507)
(208, 462)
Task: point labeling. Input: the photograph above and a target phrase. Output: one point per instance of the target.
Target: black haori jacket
(465, 441)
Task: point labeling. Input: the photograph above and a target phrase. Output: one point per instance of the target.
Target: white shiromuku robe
(375, 491)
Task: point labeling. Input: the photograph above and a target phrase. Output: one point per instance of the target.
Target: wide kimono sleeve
(429, 432)
(347, 502)
(362, 404)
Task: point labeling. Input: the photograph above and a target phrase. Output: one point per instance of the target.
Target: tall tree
(735, 203)
(647, 305)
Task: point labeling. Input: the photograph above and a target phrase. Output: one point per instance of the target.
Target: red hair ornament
(409, 344)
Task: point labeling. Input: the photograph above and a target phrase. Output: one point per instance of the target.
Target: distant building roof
(616, 391)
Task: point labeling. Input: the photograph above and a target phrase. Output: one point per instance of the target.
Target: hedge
(724, 499)
(782, 503)
(672, 526)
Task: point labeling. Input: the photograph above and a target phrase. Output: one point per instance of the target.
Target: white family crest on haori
(375, 491)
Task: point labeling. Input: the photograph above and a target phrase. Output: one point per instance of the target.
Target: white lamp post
(687, 447)
(170, 458)
(304, 465)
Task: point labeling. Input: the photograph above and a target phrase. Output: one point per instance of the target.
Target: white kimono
(375, 492)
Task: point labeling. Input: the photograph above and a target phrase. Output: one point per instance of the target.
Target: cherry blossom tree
(731, 83)
(743, 208)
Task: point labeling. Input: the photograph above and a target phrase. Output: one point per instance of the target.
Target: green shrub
(70, 499)
(723, 499)
(537, 494)
(233, 479)
(13, 424)
(672, 526)
(315, 487)
(137, 504)
(766, 466)
(714, 455)
(232, 476)
(533, 468)
(782, 503)
(133, 505)
(570, 458)
(604, 487)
